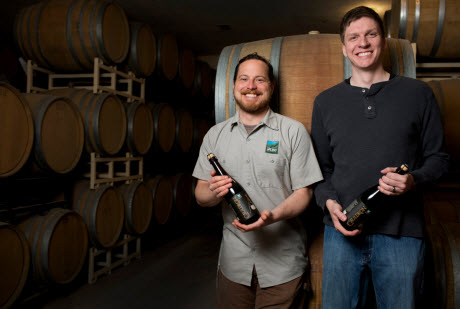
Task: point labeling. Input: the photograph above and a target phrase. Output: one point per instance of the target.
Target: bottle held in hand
(237, 197)
(367, 204)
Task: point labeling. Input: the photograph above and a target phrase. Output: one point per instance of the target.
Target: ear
(344, 50)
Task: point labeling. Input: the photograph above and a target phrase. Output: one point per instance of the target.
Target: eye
(243, 79)
(260, 80)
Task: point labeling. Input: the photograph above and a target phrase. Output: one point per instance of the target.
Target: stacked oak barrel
(47, 140)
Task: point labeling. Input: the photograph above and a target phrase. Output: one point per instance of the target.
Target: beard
(254, 108)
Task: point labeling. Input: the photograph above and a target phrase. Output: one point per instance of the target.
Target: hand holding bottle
(266, 218)
(335, 209)
(219, 185)
(393, 183)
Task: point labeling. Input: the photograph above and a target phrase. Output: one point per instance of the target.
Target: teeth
(251, 95)
(364, 54)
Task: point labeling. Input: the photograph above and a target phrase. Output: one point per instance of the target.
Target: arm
(291, 207)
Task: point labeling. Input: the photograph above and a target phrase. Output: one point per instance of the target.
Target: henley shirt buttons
(364, 90)
(369, 107)
(247, 161)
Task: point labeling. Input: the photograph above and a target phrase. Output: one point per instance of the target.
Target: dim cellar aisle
(178, 272)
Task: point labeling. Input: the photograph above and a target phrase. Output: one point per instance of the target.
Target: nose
(363, 41)
(251, 84)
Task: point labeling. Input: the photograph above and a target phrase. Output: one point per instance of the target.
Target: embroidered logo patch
(272, 147)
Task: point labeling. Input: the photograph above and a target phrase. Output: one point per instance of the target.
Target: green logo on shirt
(272, 147)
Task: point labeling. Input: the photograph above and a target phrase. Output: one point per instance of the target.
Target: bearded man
(261, 264)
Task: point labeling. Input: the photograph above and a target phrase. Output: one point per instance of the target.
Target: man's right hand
(219, 185)
(335, 209)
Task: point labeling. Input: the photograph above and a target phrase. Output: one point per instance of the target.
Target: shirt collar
(269, 120)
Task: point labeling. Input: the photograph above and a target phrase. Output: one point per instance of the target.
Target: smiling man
(362, 129)
(262, 264)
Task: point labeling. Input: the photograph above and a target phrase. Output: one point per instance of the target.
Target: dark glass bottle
(366, 204)
(237, 197)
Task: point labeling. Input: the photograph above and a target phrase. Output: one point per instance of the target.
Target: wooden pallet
(111, 175)
(104, 78)
(111, 258)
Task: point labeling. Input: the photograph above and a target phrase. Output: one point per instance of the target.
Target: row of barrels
(66, 35)
(431, 24)
(60, 124)
(442, 262)
(54, 244)
(303, 70)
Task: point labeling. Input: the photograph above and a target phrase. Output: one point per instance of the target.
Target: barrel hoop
(91, 35)
(454, 253)
(31, 53)
(69, 34)
(93, 214)
(129, 193)
(394, 59)
(99, 34)
(39, 113)
(275, 58)
(81, 34)
(220, 86)
(346, 68)
(89, 108)
(234, 63)
(85, 213)
(439, 28)
(56, 216)
(409, 59)
(97, 138)
(156, 118)
(416, 21)
(39, 13)
(35, 249)
(134, 36)
(18, 25)
(78, 202)
(403, 19)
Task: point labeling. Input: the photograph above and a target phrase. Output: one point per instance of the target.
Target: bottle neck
(217, 167)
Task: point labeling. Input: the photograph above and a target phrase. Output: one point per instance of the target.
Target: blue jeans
(394, 264)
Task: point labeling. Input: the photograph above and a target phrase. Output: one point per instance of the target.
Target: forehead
(361, 24)
(253, 67)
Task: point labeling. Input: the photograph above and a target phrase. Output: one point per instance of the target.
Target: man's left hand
(394, 184)
(266, 218)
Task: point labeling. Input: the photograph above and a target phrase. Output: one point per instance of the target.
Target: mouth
(364, 54)
(251, 94)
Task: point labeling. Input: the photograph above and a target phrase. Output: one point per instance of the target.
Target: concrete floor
(177, 269)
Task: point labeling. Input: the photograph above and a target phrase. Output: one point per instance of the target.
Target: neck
(365, 79)
(252, 118)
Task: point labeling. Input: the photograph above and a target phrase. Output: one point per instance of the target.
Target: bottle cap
(211, 155)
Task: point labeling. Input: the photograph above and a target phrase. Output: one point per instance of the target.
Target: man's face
(252, 88)
(363, 44)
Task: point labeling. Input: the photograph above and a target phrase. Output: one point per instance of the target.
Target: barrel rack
(103, 79)
(427, 71)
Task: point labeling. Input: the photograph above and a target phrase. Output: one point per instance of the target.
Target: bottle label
(243, 206)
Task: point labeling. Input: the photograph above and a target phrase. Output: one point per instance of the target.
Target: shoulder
(287, 123)
(332, 93)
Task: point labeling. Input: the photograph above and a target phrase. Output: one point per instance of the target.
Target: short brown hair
(256, 56)
(357, 13)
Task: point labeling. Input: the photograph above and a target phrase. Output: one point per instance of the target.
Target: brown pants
(231, 295)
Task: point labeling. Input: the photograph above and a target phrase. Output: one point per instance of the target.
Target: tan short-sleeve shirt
(270, 163)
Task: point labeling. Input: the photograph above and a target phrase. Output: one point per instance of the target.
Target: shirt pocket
(270, 171)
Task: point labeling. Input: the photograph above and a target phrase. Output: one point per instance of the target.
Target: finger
(388, 170)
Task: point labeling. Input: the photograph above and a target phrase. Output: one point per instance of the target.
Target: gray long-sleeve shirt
(357, 132)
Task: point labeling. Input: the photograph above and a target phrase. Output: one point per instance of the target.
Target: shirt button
(248, 184)
(369, 107)
(273, 161)
(249, 139)
(363, 90)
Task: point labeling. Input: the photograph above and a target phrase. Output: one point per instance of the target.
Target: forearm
(204, 196)
(294, 205)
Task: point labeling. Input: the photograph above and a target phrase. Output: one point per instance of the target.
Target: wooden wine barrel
(139, 135)
(432, 24)
(443, 265)
(142, 54)
(59, 242)
(182, 193)
(387, 23)
(447, 93)
(202, 84)
(17, 133)
(315, 256)
(162, 194)
(138, 207)
(184, 130)
(59, 132)
(14, 263)
(164, 126)
(307, 65)
(67, 34)
(103, 211)
(167, 57)
(200, 128)
(187, 67)
(104, 119)
(442, 206)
